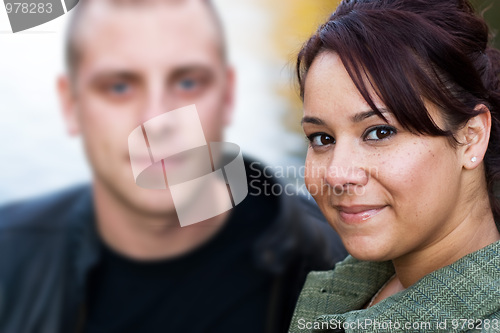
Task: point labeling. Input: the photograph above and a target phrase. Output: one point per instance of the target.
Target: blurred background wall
(37, 156)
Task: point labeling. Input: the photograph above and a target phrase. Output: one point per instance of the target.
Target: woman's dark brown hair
(416, 50)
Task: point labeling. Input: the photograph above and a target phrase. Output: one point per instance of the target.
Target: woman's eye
(321, 139)
(380, 133)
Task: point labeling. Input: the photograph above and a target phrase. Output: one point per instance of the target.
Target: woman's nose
(345, 168)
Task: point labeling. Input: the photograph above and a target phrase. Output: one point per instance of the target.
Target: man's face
(137, 63)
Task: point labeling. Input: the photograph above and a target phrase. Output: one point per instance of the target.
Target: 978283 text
(28, 8)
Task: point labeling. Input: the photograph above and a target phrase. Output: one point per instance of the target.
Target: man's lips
(141, 159)
(170, 161)
(358, 213)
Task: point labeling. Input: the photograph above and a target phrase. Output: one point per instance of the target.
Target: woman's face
(387, 192)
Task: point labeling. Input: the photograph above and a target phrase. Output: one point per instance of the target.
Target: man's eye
(120, 88)
(320, 139)
(187, 84)
(379, 133)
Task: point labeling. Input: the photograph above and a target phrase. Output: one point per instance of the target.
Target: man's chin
(138, 201)
(151, 202)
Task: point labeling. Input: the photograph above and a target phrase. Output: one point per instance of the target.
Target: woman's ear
(68, 105)
(477, 136)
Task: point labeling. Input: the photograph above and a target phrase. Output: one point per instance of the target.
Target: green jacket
(464, 296)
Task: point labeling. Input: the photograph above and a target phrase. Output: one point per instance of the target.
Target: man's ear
(477, 136)
(68, 105)
(229, 97)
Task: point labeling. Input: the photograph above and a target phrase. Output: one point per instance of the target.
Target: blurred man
(111, 256)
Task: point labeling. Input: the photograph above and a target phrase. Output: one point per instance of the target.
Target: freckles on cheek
(408, 173)
(399, 168)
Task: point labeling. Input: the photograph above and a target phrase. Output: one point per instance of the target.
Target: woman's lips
(358, 214)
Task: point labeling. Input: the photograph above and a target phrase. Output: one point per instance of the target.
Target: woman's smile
(357, 214)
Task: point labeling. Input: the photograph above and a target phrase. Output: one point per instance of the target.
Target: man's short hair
(72, 53)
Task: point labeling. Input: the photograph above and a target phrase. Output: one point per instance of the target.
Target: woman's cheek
(405, 174)
(314, 175)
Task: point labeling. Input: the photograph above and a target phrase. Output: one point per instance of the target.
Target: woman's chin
(368, 253)
(369, 257)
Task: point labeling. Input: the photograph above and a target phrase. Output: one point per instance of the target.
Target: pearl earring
(474, 159)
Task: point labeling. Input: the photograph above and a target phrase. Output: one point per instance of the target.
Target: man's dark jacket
(49, 245)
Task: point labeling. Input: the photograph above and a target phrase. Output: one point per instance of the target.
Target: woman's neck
(473, 234)
(473, 230)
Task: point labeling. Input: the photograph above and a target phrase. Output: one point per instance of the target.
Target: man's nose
(156, 100)
(155, 103)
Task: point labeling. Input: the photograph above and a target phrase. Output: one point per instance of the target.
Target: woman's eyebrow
(312, 120)
(359, 117)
